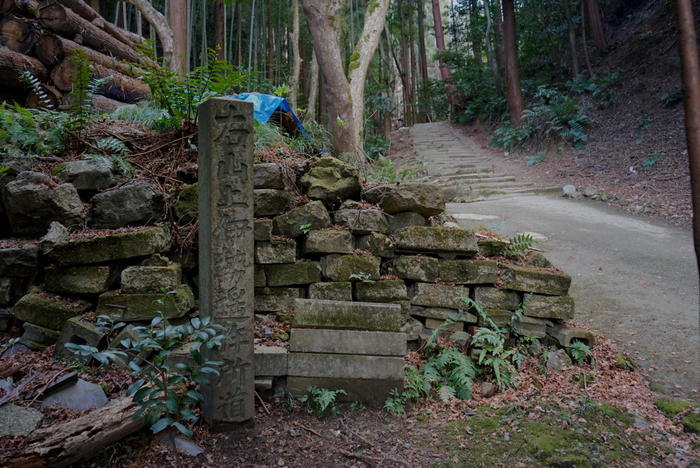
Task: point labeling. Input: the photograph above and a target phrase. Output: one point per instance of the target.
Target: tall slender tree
(595, 21)
(510, 49)
(296, 56)
(220, 29)
(177, 19)
(691, 98)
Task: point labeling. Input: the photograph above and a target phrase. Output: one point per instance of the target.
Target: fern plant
(33, 82)
(321, 400)
(114, 150)
(580, 352)
(84, 87)
(519, 245)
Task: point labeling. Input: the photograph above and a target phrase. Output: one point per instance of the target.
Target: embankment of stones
(357, 270)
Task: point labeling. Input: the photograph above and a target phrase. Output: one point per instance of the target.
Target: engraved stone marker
(226, 253)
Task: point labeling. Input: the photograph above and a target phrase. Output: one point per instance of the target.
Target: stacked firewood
(42, 37)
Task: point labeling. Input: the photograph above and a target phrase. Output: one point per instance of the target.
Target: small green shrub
(321, 400)
(519, 245)
(580, 352)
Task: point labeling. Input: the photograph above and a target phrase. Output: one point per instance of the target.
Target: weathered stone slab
(538, 260)
(500, 317)
(442, 314)
(381, 291)
(343, 366)
(491, 248)
(331, 291)
(496, 298)
(262, 229)
(314, 313)
(186, 208)
(150, 279)
(226, 248)
(271, 202)
(18, 420)
(48, 311)
(438, 295)
(19, 262)
(270, 360)
(415, 268)
(79, 332)
(332, 181)
(88, 279)
(140, 306)
(276, 251)
(377, 244)
(565, 335)
(436, 239)
(532, 327)
(328, 241)
(306, 340)
(276, 299)
(426, 199)
(531, 279)
(36, 337)
(433, 324)
(289, 274)
(362, 221)
(399, 221)
(87, 174)
(469, 271)
(134, 204)
(345, 267)
(80, 396)
(552, 307)
(260, 278)
(138, 243)
(300, 220)
(370, 391)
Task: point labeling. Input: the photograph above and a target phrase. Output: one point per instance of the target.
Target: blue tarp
(267, 104)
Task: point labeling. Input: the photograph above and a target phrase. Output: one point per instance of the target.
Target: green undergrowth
(591, 435)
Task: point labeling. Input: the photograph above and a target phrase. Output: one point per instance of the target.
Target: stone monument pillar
(226, 253)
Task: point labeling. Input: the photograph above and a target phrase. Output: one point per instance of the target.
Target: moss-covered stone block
(443, 314)
(150, 279)
(137, 243)
(350, 267)
(314, 313)
(535, 280)
(362, 221)
(438, 295)
(551, 307)
(331, 291)
(434, 324)
(262, 229)
(495, 298)
(469, 271)
(38, 338)
(328, 241)
(271, 202)
(500, 317)
(134, 307)
(377, 244)
(260, 279)
(399, 221)
(302, 219)
(48, 311)
(332, 181)
(276, 299)
(276, 251)
(415, 268)
(289, 274)
(270, 176)
(436, 239)
(565, 335)
(381, 291)
(84, 279)
(673, 406)
(491, 247)
(532, 327)
(425, 199)
(186, 207)
(79, 332)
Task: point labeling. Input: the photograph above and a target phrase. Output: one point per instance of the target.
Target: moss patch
(672, 406)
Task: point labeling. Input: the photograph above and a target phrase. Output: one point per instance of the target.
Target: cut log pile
(43, 37)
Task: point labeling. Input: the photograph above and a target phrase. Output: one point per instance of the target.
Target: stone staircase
(462, 168)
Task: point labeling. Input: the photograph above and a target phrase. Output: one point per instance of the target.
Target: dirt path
(634, 280)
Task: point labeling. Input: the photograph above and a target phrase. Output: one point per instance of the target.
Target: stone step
(344, 315)
(309, 340)
(345, 366)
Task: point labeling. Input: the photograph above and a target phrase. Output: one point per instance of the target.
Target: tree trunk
(491, 47)
(178, 25)
(476, 45)
(691, 99)
(405, 67)
(572, 38)
(219, 29)
(90, 14)
(510, 47)
(414, 69)
(296, 56)
(239, 34)
(440, 38)
(104, 104)
(67, 23)
(584, 43)
(422, 54)
(52, 49)
(120, 87)
(72, 441)
(12, 64)
(18, 34)
(313, 88)
(19, 7)
(595, 22)
(270, 46)
(51, 93)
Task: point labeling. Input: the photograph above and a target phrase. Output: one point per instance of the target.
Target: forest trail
(634, 279)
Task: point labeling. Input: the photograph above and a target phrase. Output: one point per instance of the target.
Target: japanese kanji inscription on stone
(226, 253)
